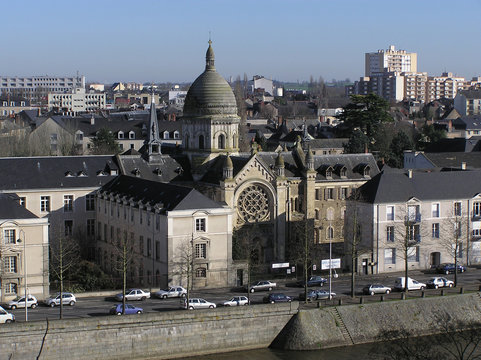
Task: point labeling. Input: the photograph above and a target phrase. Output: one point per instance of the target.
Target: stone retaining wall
(157, 335)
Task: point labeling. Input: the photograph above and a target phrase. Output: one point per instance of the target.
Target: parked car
(372, 289)
(19, 302)
(315, 280)
(313, 295)
(133, 294)
(237, 301)
(262, 285)
(197, 303)
(67, 299)
(437, 282)
(129, 309)
(324, 294)
(6, 317)
(448, 268)
(172, 292)
(399, 284)
(276, 297)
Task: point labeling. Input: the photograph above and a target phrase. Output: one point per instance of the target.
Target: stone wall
(157, 335)
(356, 324)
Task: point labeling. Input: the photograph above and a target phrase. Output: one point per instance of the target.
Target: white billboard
(334, 264)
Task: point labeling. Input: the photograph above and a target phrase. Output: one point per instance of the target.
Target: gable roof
(11, 209)
(169, 196)
(395, 186)
(52, 172)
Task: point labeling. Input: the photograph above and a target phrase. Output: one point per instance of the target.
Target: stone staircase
(342, 327)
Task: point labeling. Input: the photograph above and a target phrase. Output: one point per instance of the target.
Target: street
(99, 306)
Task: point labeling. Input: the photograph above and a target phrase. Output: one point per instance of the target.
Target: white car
(173, 291)
(133, 294)
(196, 303)
(19, 302)
(237, 301)
(399, 284)
(67, 299)
(6, 317)
(437, 282)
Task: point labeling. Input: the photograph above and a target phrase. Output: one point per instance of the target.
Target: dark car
(448, 268)
(129, 309)
(276, 297)
(314, 280)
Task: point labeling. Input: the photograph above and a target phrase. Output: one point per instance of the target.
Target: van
(399, 284)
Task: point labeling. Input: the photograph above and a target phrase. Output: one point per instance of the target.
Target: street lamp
(24, 270)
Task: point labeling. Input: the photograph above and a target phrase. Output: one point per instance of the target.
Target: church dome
(210, 94)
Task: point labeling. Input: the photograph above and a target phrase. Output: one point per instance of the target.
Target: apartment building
(77, 101)
(390, 60)
(9, 105)
(468, 102)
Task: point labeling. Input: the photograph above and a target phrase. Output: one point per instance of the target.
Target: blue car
(276, 297)
(129, 309)
(448, 268)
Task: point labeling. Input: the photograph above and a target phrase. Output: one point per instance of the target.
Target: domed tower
(210, 122)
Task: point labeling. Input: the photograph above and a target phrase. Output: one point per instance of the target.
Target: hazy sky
(147, 40)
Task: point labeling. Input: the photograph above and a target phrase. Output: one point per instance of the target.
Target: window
(221, 142)
(91, 227)
(157, 222)
(390, 212)
(131, 135)
(200, 272)
(330, 214)
(318, 196)
(414, 233)
(459, 253)
(157, 250)
(390, 233)
(389, 256)
(413, 254)
(44, 203)
(111, 233)
(141, 245)
(68, 227)
(200, 251)
(23, 202)
(330, 233)
(435, 210)
(10, 288)
(343, 193)
(457, 209)
(329, 194)
(200, 224)
(435, 230)
(10, 264)
(90, 202)
(67, 203)
(458, 231)
(477, 209)
(149, 247)
(121, 135)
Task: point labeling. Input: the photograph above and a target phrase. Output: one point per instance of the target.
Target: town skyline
(283, 40)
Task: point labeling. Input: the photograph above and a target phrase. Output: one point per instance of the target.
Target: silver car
(173, 291)
(262, 285)
(133, 294)
(67, 299)
(372, 289)
(197, 303)
(19, 302)
(237, 301)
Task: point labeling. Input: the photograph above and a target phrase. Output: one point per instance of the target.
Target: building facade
(390, 60)
(77, 101)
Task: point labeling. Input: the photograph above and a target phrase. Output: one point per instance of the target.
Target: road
(99, 306)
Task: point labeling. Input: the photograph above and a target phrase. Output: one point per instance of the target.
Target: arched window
(317, 214)
(221, 141)
(201, 141)
(330, 233)
(330, 214)
(234, 141)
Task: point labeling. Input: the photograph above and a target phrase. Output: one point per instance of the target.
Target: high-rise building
(390, 60)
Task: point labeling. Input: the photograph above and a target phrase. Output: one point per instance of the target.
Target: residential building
(468, 102)
(419, 216)
(77, 101)
(9, 105)
(168, 228)
(444, 86)
(390, 60)
(23, 240)
(261, 84)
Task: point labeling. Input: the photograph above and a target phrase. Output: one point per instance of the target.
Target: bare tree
(64, 255)
(182, 264)
(125, 258)
(452, 237)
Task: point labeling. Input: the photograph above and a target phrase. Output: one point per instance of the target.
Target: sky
(287, 40)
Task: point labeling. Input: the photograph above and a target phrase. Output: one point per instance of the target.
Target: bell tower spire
(209, 57)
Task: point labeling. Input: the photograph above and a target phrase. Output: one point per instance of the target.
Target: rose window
(253, 204)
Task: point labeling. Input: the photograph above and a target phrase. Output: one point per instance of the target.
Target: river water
(356, 352)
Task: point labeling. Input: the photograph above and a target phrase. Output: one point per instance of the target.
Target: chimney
(410, 173)
(92, 120)
(450, 125)
(463, 166)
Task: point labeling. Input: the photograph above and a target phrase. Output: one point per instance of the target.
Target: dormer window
(120, 135)
(79, 136)
(81, 173)
(329, 173)
(367, 171)
(131, 135)
(166, 135)
(343, 172)
(176, 135)
(68, 174)
(136, 172)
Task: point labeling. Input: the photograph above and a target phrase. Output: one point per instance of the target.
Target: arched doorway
(201, 141)
(221, 141)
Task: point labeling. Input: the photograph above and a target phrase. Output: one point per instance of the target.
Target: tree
(104, 143)
(182, 264)
(451, 235)
(399, 144)
(64, 255)
(365, 113)
(124, 251)
(429, 135)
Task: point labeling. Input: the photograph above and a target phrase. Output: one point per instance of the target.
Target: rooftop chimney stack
(410, 173)
(463, 166)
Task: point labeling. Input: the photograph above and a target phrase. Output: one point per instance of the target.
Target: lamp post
(330, 260)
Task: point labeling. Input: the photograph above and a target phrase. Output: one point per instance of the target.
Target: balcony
(412, 218)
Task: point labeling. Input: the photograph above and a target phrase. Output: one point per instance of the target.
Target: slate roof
(471, 94)
(51, 172)
(10, 208)
(354, 164)
(455, 145)
(468, 122)
(328, 143)
(165, 168)
(170, 197)
(396, 186)
(454, 159)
